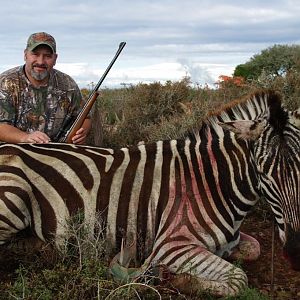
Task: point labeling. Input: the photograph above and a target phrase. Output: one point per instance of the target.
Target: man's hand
(80, 136)
(82, 133)
(11, 134)
(36, 137)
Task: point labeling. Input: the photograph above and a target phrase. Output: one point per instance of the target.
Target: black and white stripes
(181, 201)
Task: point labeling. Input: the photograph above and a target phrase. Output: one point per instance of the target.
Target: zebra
(180, 202)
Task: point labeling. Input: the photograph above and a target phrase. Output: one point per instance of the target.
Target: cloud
(166, 39)
(86, 74)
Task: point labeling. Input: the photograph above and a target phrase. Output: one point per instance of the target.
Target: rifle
(71, 123)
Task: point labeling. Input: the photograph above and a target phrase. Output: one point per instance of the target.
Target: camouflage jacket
(29, 108)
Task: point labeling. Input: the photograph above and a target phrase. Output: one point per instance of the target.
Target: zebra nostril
(293, 259)
(291, 248)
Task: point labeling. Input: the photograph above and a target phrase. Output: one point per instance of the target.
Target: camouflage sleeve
(7, 109)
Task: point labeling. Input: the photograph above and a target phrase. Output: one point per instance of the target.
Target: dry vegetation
(124, 117)
(152, 112)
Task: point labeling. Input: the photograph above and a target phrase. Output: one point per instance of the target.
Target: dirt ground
(286, 281)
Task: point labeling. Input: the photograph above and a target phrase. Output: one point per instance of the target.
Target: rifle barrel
(121, 46)
(91, 99)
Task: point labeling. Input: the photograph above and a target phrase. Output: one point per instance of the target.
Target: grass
(80, 270)
(91, 282)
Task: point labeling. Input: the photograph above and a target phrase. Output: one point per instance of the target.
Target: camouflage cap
(41, 38)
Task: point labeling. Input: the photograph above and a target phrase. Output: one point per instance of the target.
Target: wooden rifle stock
(80, 119)
(70, 126)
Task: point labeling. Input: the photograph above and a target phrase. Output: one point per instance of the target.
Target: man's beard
(39, 75)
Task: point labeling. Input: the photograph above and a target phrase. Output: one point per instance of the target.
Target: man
(35, 97)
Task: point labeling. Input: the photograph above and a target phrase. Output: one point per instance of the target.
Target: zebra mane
(265, 104)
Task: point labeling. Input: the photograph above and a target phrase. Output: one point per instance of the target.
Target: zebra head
(275, 140)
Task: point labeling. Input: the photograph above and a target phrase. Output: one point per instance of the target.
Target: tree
(227, 81)
(273, 61)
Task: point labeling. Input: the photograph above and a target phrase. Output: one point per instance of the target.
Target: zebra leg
(197, 270)
(247, 250)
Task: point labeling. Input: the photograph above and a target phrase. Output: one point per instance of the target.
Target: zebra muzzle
(291, 248)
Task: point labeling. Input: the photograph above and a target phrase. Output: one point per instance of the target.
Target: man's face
(39, 62)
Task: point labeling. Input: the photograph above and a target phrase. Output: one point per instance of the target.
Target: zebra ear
(245, 129)
(295, 117)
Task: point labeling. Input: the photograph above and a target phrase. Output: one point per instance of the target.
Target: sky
(165, 39)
